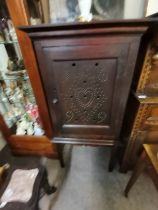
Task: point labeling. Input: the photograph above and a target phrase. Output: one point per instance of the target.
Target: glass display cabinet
(24, 113)
(67, 11)
(17, 103)
(20, 121)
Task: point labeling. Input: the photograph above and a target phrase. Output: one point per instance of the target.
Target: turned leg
(47, 188)
(60, 154)
(140, 166)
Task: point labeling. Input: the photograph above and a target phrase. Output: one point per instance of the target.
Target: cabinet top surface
(145, 22)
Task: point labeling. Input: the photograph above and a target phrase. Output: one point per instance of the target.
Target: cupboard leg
(60, 155)
(113, 158)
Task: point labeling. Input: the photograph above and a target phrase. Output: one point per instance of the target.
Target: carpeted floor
(86, 184)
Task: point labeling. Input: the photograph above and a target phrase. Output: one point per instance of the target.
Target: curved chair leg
(47, 188)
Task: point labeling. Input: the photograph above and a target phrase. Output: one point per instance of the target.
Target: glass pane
(60, 11)
(17, 101)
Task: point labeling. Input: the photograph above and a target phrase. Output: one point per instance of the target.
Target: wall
(134, 8)
(152, 7)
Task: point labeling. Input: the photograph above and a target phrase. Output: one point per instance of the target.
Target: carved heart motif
(84, 97)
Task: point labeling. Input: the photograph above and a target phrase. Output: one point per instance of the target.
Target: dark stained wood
(95, 88)
(137, 172)
(129, 156)
(71, 77)
(139, 24)
(87, 70)
(148, 160)
(114, 156)
(60, 148)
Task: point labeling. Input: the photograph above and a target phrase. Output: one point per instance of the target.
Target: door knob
(55, 101)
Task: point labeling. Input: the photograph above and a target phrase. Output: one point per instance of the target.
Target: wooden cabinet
(86, 84)
(86, 70)
(144, 100)
(81, 75)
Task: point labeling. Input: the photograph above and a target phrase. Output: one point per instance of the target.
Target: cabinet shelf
(9, 42)
(13, 128)
(15, 79)
(146, 99)
(15, 103)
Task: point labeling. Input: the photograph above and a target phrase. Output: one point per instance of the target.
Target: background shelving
(17, 102)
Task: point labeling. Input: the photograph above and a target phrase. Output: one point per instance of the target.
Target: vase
(85, 7)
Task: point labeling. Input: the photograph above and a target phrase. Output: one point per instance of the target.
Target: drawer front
(87, 82)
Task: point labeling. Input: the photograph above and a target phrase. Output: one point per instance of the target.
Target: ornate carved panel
(84, 89)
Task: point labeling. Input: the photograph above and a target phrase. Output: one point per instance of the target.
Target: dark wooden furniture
(141, 121)
(24, 162)
(40, 182)
(86, 71)
(113, 44)
(149, 161)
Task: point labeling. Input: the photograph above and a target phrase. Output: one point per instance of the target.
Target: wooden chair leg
(47, 188)
(140, 166)
(60, 154)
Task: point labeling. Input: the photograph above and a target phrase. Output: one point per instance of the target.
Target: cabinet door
(87, 81)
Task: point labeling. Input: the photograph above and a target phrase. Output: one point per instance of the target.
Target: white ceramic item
(85, 7)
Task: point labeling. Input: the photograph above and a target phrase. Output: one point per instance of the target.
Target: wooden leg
(124, 167)
(37, 206)
(140, 166)
(113, 158)
(47, 188)
(60, 154)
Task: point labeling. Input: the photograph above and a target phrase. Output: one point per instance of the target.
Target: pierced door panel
(84, 91)
(86, 86)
